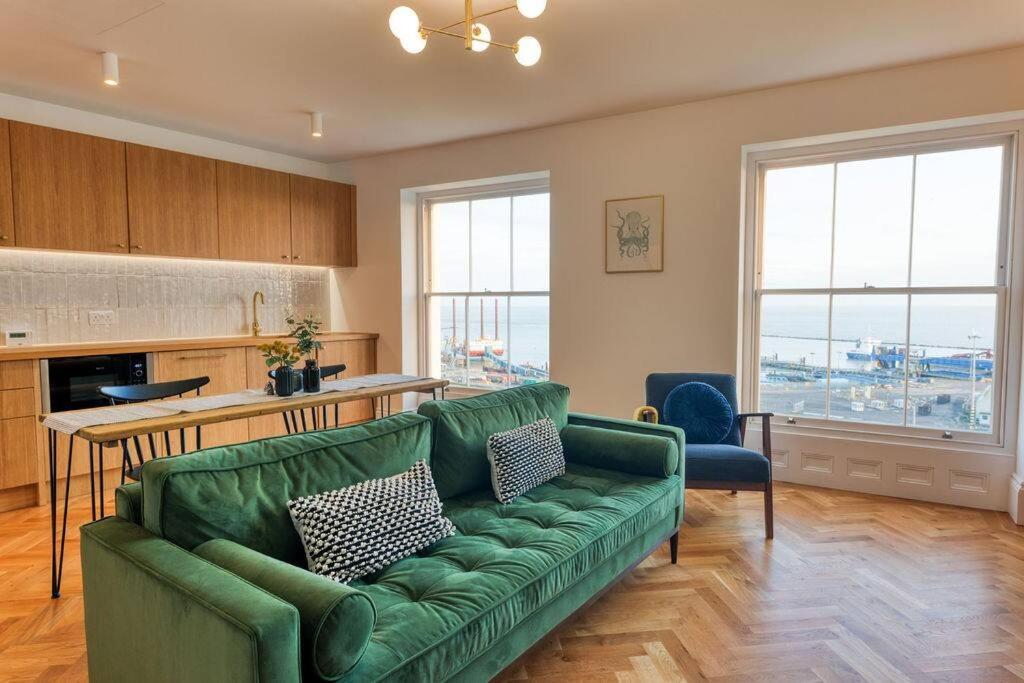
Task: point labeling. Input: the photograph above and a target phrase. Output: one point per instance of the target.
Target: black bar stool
(140, 393)
(318, 417)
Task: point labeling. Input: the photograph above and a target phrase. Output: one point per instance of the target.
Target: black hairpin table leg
(57, 561)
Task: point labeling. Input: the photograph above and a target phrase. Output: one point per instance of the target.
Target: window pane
(528, 341)
(868, 356)
(794, 354)
(446, 337)
(797, 227)
(449, 246)
(492, 259)
(488, 335)
(873, 222)
(956, 217)
(952, 343)
(531, 239)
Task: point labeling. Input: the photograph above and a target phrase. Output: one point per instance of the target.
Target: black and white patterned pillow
(524, 458)
(368, 526)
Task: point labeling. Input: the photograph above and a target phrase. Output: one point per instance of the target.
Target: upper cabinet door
(253, 217)
(6, 200)
(69, 190)
(322, 223)
(172, 203)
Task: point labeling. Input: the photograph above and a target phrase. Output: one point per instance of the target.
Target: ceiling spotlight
(404, 22)
(527, 51)
(110, 70)
(531, 9)
(316, 124)
(482, 37)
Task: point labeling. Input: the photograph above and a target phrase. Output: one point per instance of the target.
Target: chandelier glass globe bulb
(404, 22)
(531, 9)
(528, 51)
(414, 43)
(484, 34)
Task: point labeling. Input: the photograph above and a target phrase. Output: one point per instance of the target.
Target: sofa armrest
(623, 445)
(336, 620)
(156, 612)
(128, 502)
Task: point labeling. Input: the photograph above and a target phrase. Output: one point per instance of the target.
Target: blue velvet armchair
(722, 464)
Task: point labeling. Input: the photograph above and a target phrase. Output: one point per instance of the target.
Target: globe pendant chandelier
(412, 34)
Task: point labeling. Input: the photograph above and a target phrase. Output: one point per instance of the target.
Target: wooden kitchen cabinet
(172, 203)
(227, 372)
(360, 355)
(253, 215)
(323, 222)
(68, 189)
(6, 198)
(20, 463)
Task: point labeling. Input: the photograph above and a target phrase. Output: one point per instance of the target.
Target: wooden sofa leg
(673, 546)
(769, 522)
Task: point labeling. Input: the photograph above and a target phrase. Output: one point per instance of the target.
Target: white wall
(609, 331)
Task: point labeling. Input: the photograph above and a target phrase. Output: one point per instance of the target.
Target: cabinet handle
(136, 246)
(297, 258)
(4, 237)
(217, 355)
(121, 245)
(284, 255)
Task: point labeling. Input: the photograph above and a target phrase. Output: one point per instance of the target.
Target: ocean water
(522, 323)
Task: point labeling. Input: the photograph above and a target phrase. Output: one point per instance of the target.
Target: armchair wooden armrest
(646, 414)
(766, 430)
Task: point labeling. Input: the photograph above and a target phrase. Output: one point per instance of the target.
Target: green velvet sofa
(200, 576)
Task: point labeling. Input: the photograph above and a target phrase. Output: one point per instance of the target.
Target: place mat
(69, 422)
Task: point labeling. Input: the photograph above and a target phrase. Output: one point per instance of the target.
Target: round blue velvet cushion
(702, 412)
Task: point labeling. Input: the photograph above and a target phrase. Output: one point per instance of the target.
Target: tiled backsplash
(52, 293)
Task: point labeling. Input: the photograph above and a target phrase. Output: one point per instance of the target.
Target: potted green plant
(286, 379)
(305, 331)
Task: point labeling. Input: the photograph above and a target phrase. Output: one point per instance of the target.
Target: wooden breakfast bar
(116, 434)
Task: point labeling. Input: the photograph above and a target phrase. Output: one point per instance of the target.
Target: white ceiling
(247, 71)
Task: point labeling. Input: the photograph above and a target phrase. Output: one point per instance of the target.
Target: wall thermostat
(18, 337)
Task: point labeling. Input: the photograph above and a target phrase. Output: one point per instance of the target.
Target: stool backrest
(138, 393)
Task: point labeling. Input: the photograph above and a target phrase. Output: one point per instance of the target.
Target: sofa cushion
(241, 492)
(524, 458)
(335, 621)
(439, 610)
(461, 428)
(719, 462)
(360, 529)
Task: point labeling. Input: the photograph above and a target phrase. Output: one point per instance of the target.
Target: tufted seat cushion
(449, 604)
(721, 462)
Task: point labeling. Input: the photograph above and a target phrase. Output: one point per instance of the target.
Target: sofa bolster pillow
(335, 620)
(643, 454)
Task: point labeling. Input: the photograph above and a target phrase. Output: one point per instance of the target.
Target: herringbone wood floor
(853, 587)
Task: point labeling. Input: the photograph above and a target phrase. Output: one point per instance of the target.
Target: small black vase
(286, 381)
(311, 377)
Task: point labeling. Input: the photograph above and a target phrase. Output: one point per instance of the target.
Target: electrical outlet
(102, 318)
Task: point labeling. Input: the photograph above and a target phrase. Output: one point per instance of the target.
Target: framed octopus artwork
(634, 234)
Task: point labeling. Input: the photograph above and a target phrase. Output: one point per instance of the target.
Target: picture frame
(634, 234)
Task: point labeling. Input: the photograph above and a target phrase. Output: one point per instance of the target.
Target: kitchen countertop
(146, 345)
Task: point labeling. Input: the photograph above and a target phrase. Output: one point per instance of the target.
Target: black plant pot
(311, 377)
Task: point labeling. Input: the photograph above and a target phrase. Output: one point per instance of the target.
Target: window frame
(425, 292)
(758, 159)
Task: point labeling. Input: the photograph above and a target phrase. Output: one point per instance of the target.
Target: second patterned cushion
(524, 458)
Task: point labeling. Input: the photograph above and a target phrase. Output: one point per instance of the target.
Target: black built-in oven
(73, 383)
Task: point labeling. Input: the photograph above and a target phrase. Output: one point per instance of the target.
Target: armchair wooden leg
(673, 546)
(769, 522)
